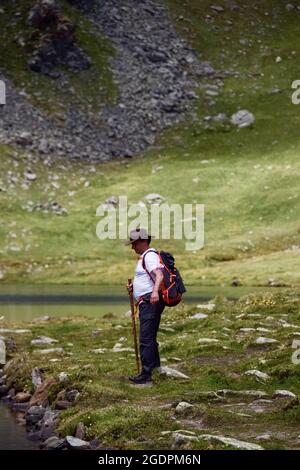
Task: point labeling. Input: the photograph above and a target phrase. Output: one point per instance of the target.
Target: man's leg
(159, 309)
(149, 323)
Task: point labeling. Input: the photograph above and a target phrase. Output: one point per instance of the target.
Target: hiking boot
(140, 379)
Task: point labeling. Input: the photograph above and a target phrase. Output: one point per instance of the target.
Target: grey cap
(138, 234)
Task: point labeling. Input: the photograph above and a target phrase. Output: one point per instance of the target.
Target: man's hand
(154, 298)
(129, 288)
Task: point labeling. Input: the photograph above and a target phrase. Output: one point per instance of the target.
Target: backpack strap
(144, 264)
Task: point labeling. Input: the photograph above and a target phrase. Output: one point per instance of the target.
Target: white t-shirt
(142, 284)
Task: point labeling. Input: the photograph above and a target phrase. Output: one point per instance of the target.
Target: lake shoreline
(69, 375)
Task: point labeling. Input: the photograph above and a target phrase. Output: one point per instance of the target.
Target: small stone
(278, 59)
(24, 139)
(72, 395)
(183, 405)
(289, 7)
(206, 306)
(242, 393)
(63, 404)
(98, 350)
(30, 176)
(22, 397)
(18, 331)
(264, 340)
(49, 351)
(179, 438)
(235, 282)
(2, 352)
(168, 372)
(118, 347)
(76, 444)
(258, 374)
(208, 341)
(43, 340)
(36, 377)
(53, 443)
(199, 316)
(62, 376)
(242, 118)
(283, 394)
(40, 396)
(154, 198)
(230, 441)
(263, 437)
(80, 431)
(217, 8)
(43, 318)
(34, 414)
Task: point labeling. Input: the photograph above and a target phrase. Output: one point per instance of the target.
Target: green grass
(249, 185)
(126, 417)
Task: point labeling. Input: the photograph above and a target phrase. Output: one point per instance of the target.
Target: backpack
(172, 284)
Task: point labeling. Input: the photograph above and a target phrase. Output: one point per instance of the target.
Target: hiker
(146, 292)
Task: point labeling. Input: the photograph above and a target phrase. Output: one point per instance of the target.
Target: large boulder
(53, 42)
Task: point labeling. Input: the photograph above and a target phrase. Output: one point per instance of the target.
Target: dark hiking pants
(149, 315)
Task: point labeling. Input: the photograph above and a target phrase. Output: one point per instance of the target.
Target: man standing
(145, 288)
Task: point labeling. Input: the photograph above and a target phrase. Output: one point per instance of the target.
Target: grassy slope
(250, 185)
(133, 418)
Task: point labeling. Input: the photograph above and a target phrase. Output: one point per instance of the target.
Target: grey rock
(72, 395)
(34, 414)
(199, 316)
(3, 390)
(180, 438)
(242, 118)
(289, 7)
(173, 373)
(208, 341)
(208, 306)
(43, 340)
(80, 431)
(154, 198)
(18, 331)
(77, 444)
(36, 377)
(258, 374)
(63, 404)
(284, 394)
(24, 138)
(49, 351)
(2, 352)
(242, 393)
(63, 376)
(217, 8)
(22, 397)
(230, 441)
(182, 406)
(53, 443)
(264, 340)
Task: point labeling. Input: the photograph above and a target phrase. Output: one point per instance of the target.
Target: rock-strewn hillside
(152, 67)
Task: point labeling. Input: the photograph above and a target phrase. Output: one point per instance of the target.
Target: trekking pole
(134, 327)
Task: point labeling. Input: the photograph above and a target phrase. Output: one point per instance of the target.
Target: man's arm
(158, 280)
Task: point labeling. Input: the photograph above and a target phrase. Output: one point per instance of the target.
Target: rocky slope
(154, 70)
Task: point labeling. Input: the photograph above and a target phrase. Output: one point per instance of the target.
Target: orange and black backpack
(172, 286)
